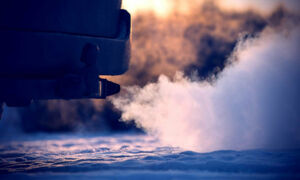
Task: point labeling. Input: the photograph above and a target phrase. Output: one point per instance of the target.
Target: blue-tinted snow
(135, 157)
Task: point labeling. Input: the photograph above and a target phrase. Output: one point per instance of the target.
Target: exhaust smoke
(254, 103)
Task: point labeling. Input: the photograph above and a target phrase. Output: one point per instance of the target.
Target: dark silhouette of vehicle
(57, 49)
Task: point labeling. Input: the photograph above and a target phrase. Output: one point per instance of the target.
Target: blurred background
(195, 37)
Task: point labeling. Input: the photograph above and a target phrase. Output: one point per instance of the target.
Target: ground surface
(135, 157)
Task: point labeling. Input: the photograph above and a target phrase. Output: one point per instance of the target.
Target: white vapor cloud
(254, 103)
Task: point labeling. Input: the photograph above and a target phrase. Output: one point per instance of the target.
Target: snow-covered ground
(135, 157)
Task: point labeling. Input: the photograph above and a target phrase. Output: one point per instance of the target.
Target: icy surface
(135, 157)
